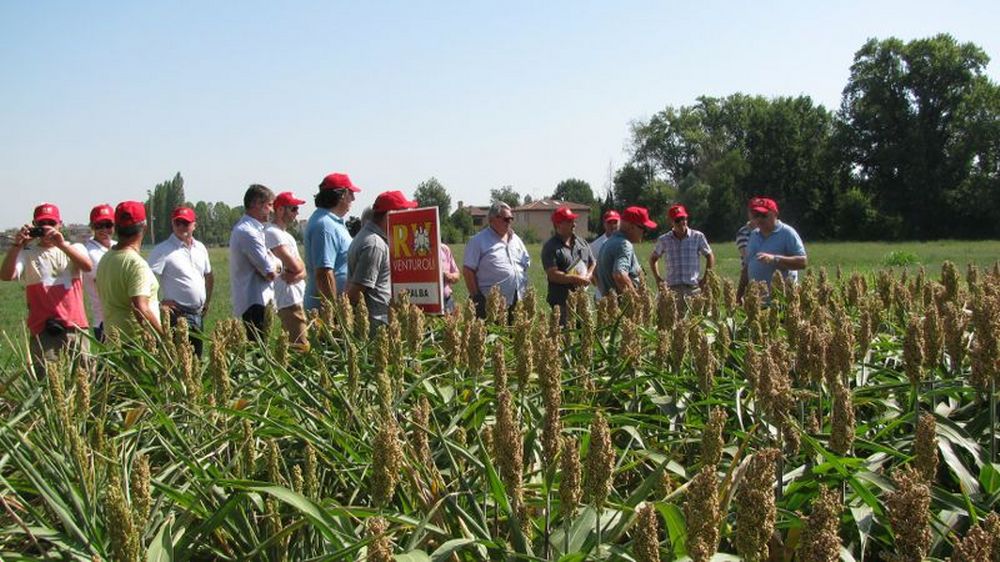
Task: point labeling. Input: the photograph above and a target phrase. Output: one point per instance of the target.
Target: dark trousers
(255, 322)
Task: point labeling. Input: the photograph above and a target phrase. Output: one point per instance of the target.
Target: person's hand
(22, 237)
(53, 236)
(168, 303)
(767, 258)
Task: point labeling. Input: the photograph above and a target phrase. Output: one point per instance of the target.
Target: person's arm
(8, 270)
(471, 283)
(555, 276)
(76, 254)
(654, 266)
(622, 281)
(253, 249)
(209, 286)
(144, 314)
(787, 263)
(293, 270)
(744, 281)
(354, 292)
(326, 283)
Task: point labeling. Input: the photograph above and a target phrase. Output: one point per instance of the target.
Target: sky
(100, 101)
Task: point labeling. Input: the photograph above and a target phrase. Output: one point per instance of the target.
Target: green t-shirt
(121, 275)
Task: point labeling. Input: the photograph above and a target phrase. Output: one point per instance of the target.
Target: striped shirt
(683, 267)
(742, 239)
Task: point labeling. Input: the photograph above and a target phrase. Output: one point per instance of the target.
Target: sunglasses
(47, 223)
(100, 225)
(758, 215)
(507, 220)
(292, 208)
(181, 222)
(681, 219)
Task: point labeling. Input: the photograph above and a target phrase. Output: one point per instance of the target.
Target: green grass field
(850, 256)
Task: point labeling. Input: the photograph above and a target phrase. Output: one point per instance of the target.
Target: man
(184, 271)
(368, 259)
(290, 288)
(102, 223)
(127, 286)
(326, 240)
(611, 221)
(568, 262)
(251, 267)
(618, 268)
(681, 246)
(496, 257)
(50, 271)
(773, 246)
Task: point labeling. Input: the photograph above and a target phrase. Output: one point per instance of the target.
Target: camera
(36, 231)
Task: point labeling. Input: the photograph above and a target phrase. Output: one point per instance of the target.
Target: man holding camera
(50, 270)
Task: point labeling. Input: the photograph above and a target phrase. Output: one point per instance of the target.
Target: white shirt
(181, 271)
(95, 251)
(249, 263)
(285, 295)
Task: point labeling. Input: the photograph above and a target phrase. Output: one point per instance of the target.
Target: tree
(506, 194)
(432, 193)
(163, 199)
(574, 190)
(907, 112)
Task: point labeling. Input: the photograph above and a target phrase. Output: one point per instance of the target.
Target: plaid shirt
(682, 256)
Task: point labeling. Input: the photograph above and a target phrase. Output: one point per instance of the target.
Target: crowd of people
(128, 293)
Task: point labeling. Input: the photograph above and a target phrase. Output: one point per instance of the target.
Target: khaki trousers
(293, 320)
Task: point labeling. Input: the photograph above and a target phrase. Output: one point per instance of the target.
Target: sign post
(414, 257)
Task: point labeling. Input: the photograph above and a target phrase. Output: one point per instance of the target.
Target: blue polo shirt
(617, 255)
(326, 241)
(784, 241)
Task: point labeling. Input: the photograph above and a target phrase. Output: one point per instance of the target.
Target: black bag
(54, 328)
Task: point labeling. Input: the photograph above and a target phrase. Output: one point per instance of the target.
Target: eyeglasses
(100, 225)
(292, 208)
(507, 220)
(758, 215)
(181, 222)
(681, 219)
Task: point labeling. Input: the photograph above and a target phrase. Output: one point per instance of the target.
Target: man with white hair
(496, 257)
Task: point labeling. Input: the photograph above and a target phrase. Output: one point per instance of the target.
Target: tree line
(913, 152)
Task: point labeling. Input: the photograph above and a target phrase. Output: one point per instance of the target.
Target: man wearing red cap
(326, 240)
(127, 285)
(102, 224)
(611, 220)
(50, 271)
(773, 246)
(567, 260)
(290, 287)
(368, 259)
(681, 246)
(183, 268)
(617, 267)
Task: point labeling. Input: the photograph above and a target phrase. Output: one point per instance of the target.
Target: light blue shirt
(784, 241)
(617, 254)
(249, 263)
(326, 241)
(498, 263)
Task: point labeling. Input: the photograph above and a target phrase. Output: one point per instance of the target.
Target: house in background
(536, 218)
(478, 214)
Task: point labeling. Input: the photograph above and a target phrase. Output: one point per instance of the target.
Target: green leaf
(673, 518)
(413, 556)
(444, 552)
(161, 549)
(989, 477)
(969, 482)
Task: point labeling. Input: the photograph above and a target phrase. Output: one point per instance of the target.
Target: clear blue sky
(100, 101)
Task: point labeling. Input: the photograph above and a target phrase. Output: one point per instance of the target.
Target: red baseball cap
(763, 205)
(101, 213)
(129, 213)
(47, 212)
(183, 213)
(286, 199)
(639, 216)
(563, 214)
(392, 201)
(677, 211)
(337, 180)
(612, 215)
